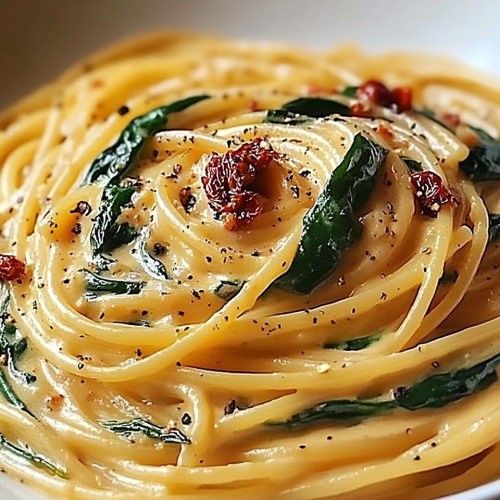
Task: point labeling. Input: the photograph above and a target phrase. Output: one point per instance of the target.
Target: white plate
(39, 39)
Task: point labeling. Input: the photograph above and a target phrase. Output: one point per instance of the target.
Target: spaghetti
(235, 269)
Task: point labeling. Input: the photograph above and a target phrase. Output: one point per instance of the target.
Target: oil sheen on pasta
(319, 321)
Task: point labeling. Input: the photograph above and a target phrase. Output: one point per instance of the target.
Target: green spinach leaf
(413, 165)
(153, 431)
(152, 266)
(283, 117)
(445, 388)
(483, 162)
(330, 227)
(350, 91)
(435, 391)
(105, 231)
(354, 344)
(341, 410)
(37, 460)
(316, 107)
(10, 350)
(114, 163)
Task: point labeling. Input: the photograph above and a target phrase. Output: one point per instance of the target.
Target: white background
(39, 38)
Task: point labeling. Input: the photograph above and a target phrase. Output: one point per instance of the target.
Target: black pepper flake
(196, 294)
(81, 366)
(417, 458)
(138, 352)
(123, 110)
(186, 419)
(435, 364)
(329, 438)
(230, 408)
(77, 229)
(304, 173)
(255, 253)
(159, 249)
(383, 296)
(145, 313)
(315, 320)
(181, 313)
(187, 199)
(208, 259)
(302, 446)
(82, 208)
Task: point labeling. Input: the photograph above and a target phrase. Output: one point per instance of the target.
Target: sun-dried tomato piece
(398, 99)
(431, 193)
(247, 209)
(11, 268)
(228, 182)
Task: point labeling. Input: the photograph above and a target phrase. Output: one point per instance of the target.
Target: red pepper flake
(431, 192)
(11, 268)
(360, 109)
(385, 132)
(451, 119)
(228, 182)
(398, 99)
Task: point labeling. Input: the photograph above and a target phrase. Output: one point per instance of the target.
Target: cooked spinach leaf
(114, 163)
(152, 266)
(354, 344)
(153, 431)
(483, 162)
(342, 410)
(435, 391)
(284, 117)
(226, 290)
(330, 227)
(118, 235)
(494, 227)
(442, 389)
(99, 284)
(300, 111)
(105, 231)
(350, 91)
(316, 107)
(110, 168)
(413, 165)
(36, 459)
(10, 350)
(9, 394)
